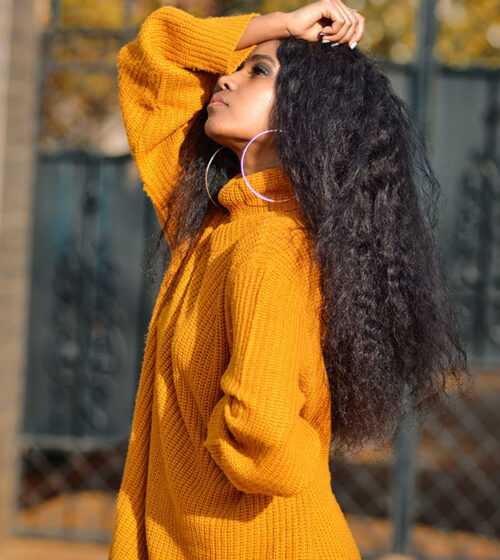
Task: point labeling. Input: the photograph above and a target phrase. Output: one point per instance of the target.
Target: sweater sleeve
(256, 433)
(165, 76)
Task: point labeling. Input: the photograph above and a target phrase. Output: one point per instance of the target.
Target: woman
(303, 303)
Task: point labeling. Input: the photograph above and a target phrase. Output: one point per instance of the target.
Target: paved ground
(38, 549)
(369, 534)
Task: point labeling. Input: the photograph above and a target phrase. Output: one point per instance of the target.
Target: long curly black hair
(369, 196)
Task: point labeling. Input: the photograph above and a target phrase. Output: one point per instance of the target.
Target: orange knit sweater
(228, 454)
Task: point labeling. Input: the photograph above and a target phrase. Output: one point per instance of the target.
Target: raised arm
(169, 71)
(167, 74)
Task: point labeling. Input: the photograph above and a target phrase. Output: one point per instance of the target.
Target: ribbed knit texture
(228, 454)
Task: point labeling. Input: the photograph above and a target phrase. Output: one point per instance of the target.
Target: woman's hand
(329, 17)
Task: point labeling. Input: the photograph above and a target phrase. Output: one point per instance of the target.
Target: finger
(337, 34)
(349, 17)
(352, 35)
(360, 29)
(331, 12)
(346, 11)
(348, 37)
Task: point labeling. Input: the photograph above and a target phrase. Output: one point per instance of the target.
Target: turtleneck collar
(272, 182)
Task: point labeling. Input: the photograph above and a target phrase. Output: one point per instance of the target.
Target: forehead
(267, 47)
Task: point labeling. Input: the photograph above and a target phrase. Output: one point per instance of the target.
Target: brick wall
(18, 52)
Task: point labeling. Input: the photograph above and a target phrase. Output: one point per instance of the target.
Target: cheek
(257, 107)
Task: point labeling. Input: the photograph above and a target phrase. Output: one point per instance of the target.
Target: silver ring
(353, 10)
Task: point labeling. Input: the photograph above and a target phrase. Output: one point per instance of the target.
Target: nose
(226, 81)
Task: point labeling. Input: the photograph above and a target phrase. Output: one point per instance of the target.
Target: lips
(217, 98)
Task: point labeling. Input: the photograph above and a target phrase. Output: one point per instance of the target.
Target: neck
(258, 157)
(258, 165)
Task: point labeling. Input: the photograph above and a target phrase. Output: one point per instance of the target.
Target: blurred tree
(92, 13)
(469, 32)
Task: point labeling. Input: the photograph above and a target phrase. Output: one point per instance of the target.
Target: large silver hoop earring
(206, 175)
(243, 171)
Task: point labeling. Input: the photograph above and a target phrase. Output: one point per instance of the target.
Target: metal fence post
(404, 473)
(401, 505)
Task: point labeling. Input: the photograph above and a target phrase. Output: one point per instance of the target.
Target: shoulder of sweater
(277, 241)
(283, 251)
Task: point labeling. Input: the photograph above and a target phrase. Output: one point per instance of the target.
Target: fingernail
(321, 34)
(354, 44)
(334, 44)
(325, 41)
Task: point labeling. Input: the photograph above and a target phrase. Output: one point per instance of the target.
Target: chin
(215, 133)
(211, 129)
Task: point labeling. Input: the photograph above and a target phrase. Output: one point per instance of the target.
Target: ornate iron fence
(90, 307)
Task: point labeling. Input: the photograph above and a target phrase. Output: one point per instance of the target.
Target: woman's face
(249, 96)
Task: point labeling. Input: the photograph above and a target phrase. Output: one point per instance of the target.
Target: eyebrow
(256, 56)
